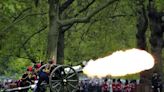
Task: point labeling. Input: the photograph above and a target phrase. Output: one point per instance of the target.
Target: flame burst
(120, 63)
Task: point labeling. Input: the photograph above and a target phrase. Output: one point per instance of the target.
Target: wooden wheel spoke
(62, 72)
(68, 90)
(60, 89)
(72, 85)
(53, 81)
(57, 75)
(70, 76)
(68, 72)
(72, 80)
(57, 84)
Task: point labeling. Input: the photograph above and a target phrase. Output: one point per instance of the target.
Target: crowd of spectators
(107, 85)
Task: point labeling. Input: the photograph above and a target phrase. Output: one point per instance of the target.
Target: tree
(21, 31)
(142, 24)
(156, 39)
(111, 30)
(56, 23)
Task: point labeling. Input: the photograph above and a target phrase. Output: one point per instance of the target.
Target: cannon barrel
(78, 68)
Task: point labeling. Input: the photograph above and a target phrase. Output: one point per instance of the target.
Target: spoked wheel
(63, 79)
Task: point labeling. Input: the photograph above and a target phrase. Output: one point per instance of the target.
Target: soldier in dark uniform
(156, 82)
(44, 76)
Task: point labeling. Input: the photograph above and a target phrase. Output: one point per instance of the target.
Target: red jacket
(119, 87)
(114, 87)
(128, 88)
(105, 87)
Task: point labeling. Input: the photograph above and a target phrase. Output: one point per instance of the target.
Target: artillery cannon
(64, 78)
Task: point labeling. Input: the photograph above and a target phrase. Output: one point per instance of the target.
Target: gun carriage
(63, 78)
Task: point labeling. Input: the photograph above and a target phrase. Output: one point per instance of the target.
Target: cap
(29, 68)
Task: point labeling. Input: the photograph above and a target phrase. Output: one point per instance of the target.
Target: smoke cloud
(120, 63)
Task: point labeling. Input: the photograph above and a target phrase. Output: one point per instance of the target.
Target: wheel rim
(63, 79)
(42, 67)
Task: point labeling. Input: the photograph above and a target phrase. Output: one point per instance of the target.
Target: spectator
(86, 86)
(81, 86)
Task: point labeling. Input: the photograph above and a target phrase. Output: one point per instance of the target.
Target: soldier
(114, 89)
(156, 82)
(44, 76)
(119, 86)
(105, 86)
(127, 87)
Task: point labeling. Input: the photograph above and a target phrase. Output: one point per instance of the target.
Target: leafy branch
(88, 17)
(18, 20)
